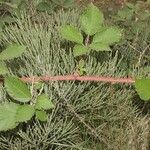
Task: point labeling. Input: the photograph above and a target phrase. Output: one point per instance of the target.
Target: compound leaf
(8, 113)
(71, 33)
(41, 115)
(91, 20)
(24, 113)
(43, 103)
(12, 51)
(17, 89)
(142, 87)
(108, 36)
(79, 50)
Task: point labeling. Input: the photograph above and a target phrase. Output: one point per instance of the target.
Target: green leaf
(12, 51)
(25, 113)
(17, 89)
(100, 47)
(71, 33)
(125, 14)
(64, 3)
(80, 50)
(3, 68)
(91, 20)
(43, 103)
(41, 115)
(108, 36)
(142, 87)
(43, 6)
(8, 113)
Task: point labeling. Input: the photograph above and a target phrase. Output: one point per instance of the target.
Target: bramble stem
(79, 78)
(87, 40)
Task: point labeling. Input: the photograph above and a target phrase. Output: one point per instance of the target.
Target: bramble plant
(92, 24)
(27, 104)
(11, 113)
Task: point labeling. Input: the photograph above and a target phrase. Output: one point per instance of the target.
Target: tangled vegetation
(74, 115)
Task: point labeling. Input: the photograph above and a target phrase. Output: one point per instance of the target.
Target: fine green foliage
(143, 88)
(50, 6)
(72, 34)
(43, 103)
(12, 51)
(17, 89)
(108, 109)
(25, 113)
(41, 115)
(91, 20)
(45, 7)
(8, 112)
(92, 23)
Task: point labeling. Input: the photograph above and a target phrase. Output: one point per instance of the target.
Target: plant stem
(79, 78)
(87, 40)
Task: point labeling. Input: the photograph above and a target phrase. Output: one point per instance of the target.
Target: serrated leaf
(80, 50)
(100, 47)
(12, 51)
(17, 89)
(41, 115)
(71, 33)
(108, 36)
(142, 87)
(91, 20)
(24, 113)
(8, 113)
(43, 103)
(3, 68)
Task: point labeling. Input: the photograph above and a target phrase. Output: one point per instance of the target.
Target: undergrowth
(90, 116)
